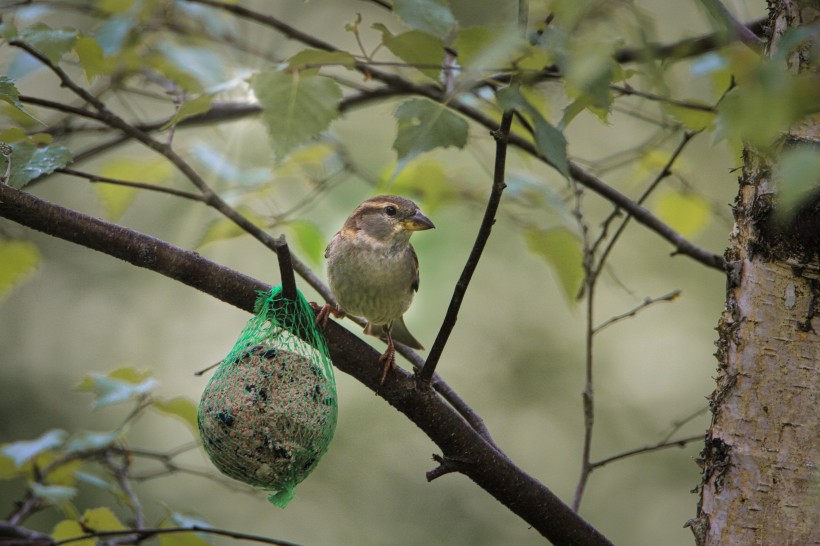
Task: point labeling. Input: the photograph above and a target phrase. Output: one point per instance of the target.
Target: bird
(373, 270)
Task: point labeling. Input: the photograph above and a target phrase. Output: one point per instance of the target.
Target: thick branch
(489, 468)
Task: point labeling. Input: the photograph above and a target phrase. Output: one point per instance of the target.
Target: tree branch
(143, 534)
(127, 183)
(585, 178)
(672, 296)
(501, 136)
(684, 49)
(489, 468)
(401, 86)
(588, 394)
(228, 112)
(681, 442)
(664, 172)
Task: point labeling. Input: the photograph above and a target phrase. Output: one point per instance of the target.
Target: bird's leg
(325, 311)
(389, 358)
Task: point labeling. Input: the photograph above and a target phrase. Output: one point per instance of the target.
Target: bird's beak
(417, 222)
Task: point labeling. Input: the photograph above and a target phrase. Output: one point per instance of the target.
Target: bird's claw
(389, 359)
(324, 312)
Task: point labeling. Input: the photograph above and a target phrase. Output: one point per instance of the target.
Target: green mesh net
(269, 412)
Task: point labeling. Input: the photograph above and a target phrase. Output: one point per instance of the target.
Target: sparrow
(373, 270)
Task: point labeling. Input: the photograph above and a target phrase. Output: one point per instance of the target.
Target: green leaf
(21, 452)
(692, 119)
(116, 199)
(763, 86)
(91, 440)
(590, 69)
(109, 391)
(572, 110)
(425, 125)
(91, 479)
(61, 474)
(482, 48)
(583, 102)
(799, 180)
(686, 213)
(181, 520)
(29, 162)
(92, 58)
(296, 106)
(18, 259)
(200, 63)
(309, 239)
(55, 494)
(184, 539)
(8, 468)
(53, 43)
(101, 519)
(154, 170)
(430, 16)
(69, 529)
(115, 6)
(10, 94)
(415, 48)
(312, 162)
(113, 32)
(11, 135)
(562, 251)
(181, 407)
(426, 178)
(313, 58)
(549, 140)
(130, 374)
(189, 108)
(8, 30)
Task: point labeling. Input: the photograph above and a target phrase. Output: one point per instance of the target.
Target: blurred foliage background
(517, 354)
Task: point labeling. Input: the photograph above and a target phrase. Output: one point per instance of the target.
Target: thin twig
(681, 442)
(483, 235)
(208, 368)
(120, 472)
(639, 213)
(209, 196)
(402, 86)
(664, 172)
(61, 107)
(671, 296)
(588, 394)
(127, 183)
(677, 425)
(627, 89)
(585, 178)
(230, 111)
(501, 136)
(143, 534)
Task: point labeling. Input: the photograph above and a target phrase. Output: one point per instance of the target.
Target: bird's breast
(376, 284)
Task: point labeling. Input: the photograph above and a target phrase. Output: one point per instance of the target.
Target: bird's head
(388, 219)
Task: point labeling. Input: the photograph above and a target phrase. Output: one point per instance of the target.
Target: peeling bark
(760, 479)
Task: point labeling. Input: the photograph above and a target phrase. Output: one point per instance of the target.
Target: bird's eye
(390, 210)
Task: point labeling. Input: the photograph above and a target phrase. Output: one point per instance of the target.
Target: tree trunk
(760, 480)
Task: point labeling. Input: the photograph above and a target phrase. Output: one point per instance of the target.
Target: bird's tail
(399, 332)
